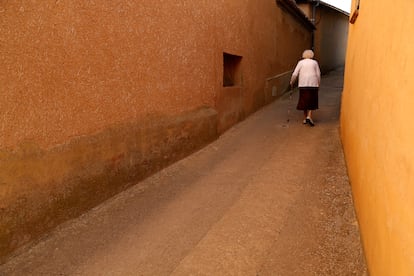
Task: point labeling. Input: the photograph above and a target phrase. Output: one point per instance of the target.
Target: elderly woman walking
(309, 79)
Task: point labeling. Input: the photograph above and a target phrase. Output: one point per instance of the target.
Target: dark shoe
(310, 122)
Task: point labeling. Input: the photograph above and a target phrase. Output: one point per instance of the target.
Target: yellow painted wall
(377, 123)
(96, 95)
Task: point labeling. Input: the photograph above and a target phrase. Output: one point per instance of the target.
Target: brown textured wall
(41, 188)
(98, 94)
(72, 67)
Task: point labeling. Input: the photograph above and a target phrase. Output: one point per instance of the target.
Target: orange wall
(96, 95)
(377, 132)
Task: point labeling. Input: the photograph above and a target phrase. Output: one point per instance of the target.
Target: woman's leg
(309, 118)
(305, 114)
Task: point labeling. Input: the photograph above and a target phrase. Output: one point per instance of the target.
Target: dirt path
(270, 197)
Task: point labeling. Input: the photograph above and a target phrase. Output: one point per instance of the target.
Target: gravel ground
(269, 197)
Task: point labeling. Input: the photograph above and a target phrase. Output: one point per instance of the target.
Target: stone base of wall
(40, 189)
(229, 106)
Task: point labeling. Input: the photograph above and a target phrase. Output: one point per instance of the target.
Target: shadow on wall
(75, 177)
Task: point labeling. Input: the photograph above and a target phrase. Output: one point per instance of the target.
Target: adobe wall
(377, 133)
(330, 38)
(331, 35)
(96, 97)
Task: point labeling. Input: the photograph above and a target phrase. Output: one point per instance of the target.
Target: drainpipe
(314, 10)
(313, 19)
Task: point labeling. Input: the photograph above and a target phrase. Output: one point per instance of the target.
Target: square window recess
(231, 70)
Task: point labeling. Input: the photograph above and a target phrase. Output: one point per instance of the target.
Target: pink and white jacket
(309, 73)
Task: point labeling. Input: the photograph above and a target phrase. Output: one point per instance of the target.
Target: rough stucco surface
(55, 185)
(377, 133)
(85, 85)
(74, 67)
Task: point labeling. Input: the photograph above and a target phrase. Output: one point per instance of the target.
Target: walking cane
(290, 102)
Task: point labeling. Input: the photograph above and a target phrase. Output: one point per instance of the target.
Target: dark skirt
(308, 98)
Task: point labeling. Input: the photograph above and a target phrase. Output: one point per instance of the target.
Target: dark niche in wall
(231, 70)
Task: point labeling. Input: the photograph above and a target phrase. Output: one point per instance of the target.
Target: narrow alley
(269, 197)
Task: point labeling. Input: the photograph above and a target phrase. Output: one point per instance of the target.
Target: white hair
(308, 54)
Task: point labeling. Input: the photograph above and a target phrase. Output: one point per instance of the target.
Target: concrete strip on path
(269, 197)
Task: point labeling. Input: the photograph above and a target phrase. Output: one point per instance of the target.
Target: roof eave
(293, 9)
(324, 4)
(334, 8)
